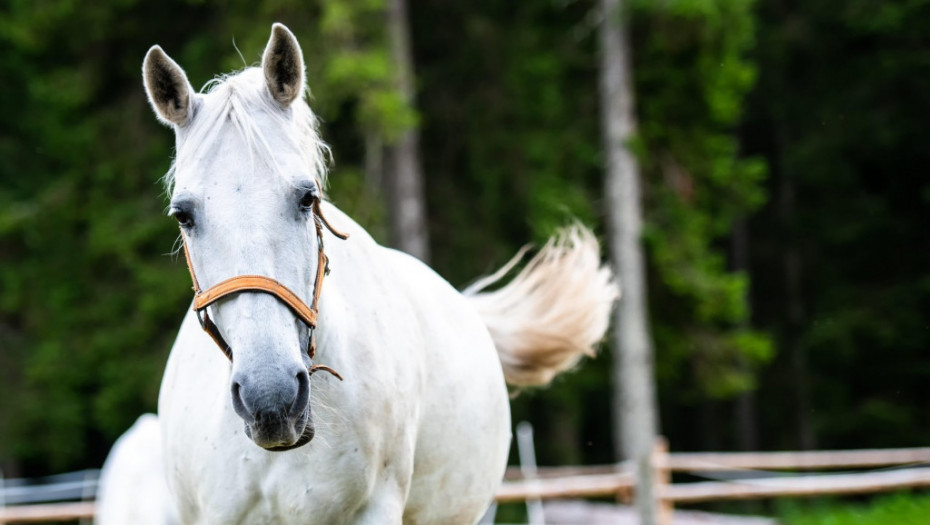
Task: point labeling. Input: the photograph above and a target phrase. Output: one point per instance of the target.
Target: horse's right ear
(167, 87)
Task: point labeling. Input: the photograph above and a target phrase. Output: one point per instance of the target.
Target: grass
(895, 509)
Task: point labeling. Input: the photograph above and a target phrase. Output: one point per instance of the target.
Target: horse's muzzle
(272, 438)
(277, 413)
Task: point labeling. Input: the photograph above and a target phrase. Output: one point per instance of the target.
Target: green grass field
(894, 509)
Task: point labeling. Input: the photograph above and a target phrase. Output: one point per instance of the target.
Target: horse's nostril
(303, 393)
(239, 404)
(271, 400)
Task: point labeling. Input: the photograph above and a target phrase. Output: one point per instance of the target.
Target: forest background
(785, 200)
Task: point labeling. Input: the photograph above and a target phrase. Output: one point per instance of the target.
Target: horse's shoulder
(397, 282)
(398, 264)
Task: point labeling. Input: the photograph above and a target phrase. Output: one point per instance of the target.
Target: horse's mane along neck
(235, 99)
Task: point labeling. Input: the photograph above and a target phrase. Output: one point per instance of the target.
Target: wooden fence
(47, 512)
(41, 499)
(749, 475)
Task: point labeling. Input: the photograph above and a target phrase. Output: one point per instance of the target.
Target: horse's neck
(350, 264)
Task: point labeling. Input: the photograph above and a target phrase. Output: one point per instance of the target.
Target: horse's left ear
(283, 64)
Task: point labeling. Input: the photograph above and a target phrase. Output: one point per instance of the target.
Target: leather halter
(262, 284)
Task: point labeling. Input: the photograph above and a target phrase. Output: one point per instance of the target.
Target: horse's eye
(184, 218)
(307, 199)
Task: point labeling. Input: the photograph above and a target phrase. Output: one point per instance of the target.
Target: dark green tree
(841, 273)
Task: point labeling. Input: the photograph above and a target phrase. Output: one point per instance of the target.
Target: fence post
(89, 492)
(662, 476)
(625, 493)
(2, 496)
(527, 452)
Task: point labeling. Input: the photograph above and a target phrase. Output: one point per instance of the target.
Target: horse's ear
(283, 64)
(167, 87)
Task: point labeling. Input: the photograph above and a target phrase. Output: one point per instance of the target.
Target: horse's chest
(255, 489)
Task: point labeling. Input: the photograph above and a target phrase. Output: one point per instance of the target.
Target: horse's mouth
(272, 440)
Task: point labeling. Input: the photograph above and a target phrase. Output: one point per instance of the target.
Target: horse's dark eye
(184, 218)
(307, 199)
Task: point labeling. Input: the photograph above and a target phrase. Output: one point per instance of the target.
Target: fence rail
(730, 461)
(812, 460)
(48, 498)
(806, 486)
(762, 476)
(47, 512)
(610, 480)
(579, 486)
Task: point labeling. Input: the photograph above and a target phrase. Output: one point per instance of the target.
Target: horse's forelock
(240, 96)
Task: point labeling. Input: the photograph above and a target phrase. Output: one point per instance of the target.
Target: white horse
(419, 430)
(133, 487)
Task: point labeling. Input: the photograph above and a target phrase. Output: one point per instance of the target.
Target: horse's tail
(555, 310)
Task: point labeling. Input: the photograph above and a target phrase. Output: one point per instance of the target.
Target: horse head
(245, 190)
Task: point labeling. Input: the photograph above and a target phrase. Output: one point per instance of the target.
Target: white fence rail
(746, 475)
(749, 475)
(62, 497)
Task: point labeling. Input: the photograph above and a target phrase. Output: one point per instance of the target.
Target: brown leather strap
(256, 283)
(214, 332)
(317, 368)
(321, 271)
(260, 283)
(318, 210)
(190, 265)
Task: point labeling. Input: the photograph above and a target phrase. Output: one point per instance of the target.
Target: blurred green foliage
(900, 509)
(692, 73)
(508, 110)
(840, 112)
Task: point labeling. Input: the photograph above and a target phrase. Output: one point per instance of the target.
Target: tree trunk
(746, 420)
(634, 388)
(709, 426)
(807, 439)
(745, 407)
(794, 305)
(403, 180)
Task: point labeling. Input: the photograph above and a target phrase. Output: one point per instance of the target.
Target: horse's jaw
(275, 444)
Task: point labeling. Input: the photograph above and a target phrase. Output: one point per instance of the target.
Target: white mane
(236, 98)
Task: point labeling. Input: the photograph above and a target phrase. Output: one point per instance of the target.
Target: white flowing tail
(554, 311)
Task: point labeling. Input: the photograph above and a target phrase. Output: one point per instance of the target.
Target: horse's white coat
(419, 431)
(132, 482)
(423, 388)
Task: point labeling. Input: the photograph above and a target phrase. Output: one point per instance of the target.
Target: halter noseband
(262, 284)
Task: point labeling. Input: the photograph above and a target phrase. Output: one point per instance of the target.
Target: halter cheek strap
(262, 284)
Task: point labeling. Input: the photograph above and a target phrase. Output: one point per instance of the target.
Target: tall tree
(692, 74)
(403, 178)
(745, 407)
(634, 386)
(369, 71)
(794, 317)
(840, 113)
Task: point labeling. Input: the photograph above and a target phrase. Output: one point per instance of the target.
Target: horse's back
(133, 486)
